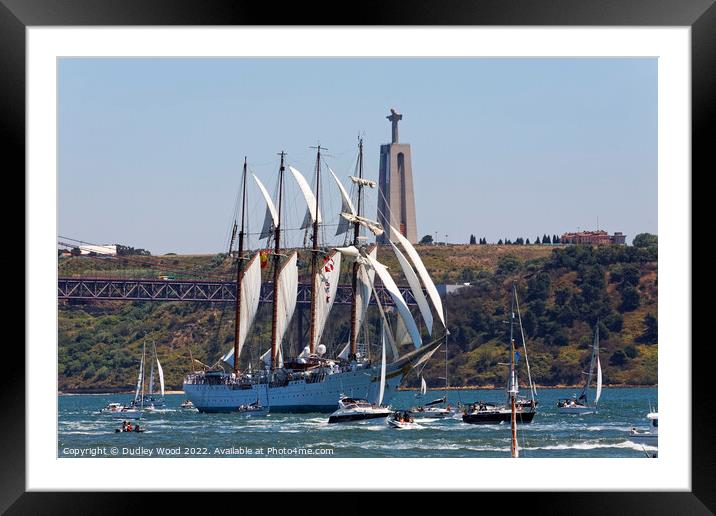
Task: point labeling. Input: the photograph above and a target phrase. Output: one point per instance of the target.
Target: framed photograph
(266, 253)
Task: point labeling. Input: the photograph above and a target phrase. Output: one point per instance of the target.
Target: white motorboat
(187, 404)
(434, 409)
(351, 410)
(355, 409)
(117, 409)
(647, 437)
(112, 408)
(402, 421)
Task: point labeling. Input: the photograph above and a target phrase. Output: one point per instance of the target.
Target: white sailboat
(142, 401)
(154, 398)
(581, 405)
(314, 380)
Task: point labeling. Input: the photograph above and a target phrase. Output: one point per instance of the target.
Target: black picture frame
(16, 15)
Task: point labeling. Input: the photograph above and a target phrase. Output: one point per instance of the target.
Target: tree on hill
(651, 330)
(537, 240)
(499, 242)
(630, 299)
(555, 239)
(473, 240)
(645, 240)
(125, 250)
(527, 242)
(426, 240)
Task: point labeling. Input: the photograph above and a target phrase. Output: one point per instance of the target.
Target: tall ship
(314, 380)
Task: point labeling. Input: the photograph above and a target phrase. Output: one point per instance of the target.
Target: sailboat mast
(447, 385)
(144, 354)
(314, 256)
(513, 383)
(356, 265)
(240, 272)
(277, 264)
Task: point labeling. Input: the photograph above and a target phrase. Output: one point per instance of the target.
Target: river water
(173, 431)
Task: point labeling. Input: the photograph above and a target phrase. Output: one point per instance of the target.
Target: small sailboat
(152, 398)
(142, 401)
(580, 405)
(438, 408)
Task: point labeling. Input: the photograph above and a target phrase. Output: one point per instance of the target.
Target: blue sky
(150, 150)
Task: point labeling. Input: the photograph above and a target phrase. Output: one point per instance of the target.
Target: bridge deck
(191, 290)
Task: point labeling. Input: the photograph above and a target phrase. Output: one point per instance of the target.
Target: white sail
(599, 382)
(326, 285)
(402, 336)
(415, 288)
(271, 219)
(382, 370)
(266, 358)
(346, 206)
(374, 226)
(140, 377)
(161, 377)
(363, 291)
(310, 217)
(423, 386)
(351, 251)
(343, 355)
(422, 272)
(250, 294)
(400, 303)
(363, 182)
(286, 299)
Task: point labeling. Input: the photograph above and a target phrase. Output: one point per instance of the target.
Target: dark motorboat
(490, 414)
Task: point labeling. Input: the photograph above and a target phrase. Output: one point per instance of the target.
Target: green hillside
(563, 291)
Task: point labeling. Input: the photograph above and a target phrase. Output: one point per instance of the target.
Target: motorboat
(351, 410)
(187, 404)
(402, 421)
(647, 437)
(251, 407)
(112, 408)
(489, 413)
(433, 410)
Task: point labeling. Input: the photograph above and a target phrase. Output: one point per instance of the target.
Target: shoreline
(74, 392)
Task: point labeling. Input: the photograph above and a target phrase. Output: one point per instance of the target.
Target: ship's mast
(314, 254)
(277, 263)
(356, 265)
(240, 273)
